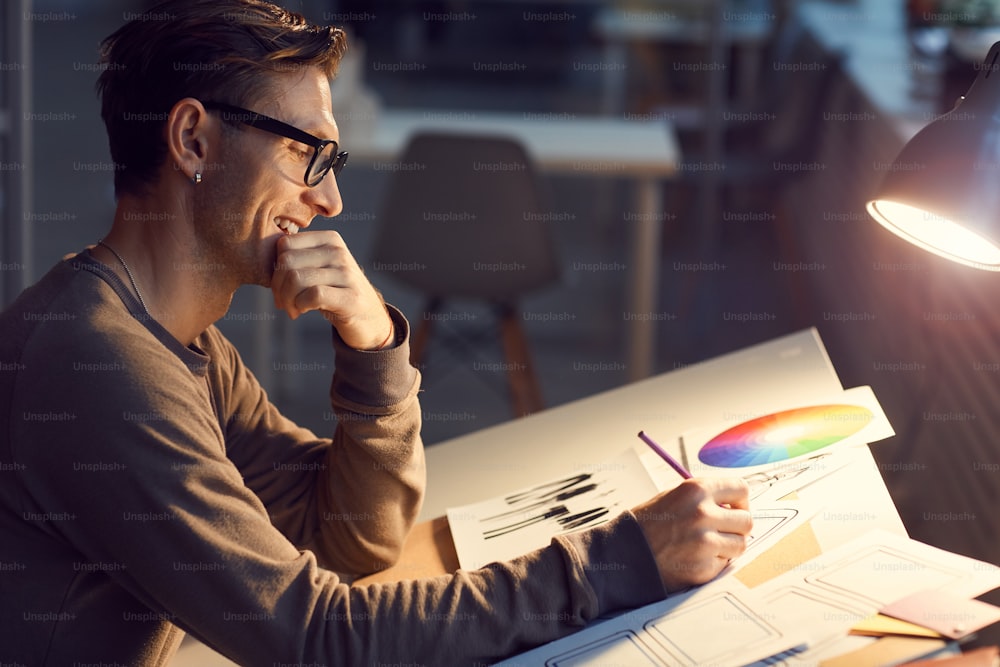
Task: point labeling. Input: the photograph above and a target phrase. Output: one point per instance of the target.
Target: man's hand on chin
(316, 271)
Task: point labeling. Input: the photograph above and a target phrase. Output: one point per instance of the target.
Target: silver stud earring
(197, 178)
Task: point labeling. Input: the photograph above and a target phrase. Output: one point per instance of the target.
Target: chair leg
(524, 390)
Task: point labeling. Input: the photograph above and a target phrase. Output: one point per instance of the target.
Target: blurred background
(778, 118)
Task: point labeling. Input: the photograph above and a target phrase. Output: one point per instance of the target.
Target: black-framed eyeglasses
(325, 157)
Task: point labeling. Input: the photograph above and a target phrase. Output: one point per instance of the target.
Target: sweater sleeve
(351, 499)
(141, 465)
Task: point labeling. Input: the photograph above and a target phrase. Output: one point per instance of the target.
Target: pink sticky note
(952, 615)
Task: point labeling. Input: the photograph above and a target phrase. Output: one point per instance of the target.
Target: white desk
(566, 144)
(592, 430)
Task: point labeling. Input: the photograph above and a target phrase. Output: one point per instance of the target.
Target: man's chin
(260, 276)
(264, 279)
(265, 274)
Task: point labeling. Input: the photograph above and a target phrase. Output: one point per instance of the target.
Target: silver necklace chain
(128, 272)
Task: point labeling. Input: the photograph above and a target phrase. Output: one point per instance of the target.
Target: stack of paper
(823, 610)
(803, 616)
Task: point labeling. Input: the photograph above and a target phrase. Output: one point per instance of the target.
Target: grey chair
(463, 219)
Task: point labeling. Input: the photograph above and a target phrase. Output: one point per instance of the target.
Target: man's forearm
(377, 479)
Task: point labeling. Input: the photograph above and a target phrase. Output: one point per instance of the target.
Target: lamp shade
(942, 192)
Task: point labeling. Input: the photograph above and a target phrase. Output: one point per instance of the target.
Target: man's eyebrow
(322, 134)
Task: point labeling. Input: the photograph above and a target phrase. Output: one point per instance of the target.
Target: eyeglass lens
(327, 159)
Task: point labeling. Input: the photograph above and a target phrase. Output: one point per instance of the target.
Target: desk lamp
(942, 192)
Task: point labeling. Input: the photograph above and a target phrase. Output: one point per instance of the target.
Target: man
(148, 486)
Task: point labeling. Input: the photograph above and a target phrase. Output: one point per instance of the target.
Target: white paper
(803, 615)
(771, 522)
(779, 477)
(721, 624)
(526, 519)
(829, 594)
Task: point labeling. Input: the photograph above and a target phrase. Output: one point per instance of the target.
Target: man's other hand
(316, 271)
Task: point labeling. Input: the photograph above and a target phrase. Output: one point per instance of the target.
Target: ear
(188, 136)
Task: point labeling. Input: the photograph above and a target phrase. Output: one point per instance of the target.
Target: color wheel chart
(784, 435)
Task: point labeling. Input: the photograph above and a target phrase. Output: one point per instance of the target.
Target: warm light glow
(939, 235)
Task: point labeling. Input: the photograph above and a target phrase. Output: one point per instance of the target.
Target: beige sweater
(147, 488)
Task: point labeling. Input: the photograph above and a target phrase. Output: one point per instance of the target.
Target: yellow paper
(878, 625)
(890, 650)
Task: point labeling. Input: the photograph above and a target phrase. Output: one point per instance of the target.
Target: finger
(296, 270)
(282, 287)
(737, 522)
(732, 492)
(315, 257)
(312, 250)
(731, 546)
(295, 280)
(302, 290)
(303, 240)
(330, 298)
(306, 250)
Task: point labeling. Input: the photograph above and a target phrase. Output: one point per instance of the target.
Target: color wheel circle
(784, 435)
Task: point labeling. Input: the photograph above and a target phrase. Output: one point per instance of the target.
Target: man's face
(258, 188)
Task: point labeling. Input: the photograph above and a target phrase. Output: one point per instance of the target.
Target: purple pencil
(671, 461)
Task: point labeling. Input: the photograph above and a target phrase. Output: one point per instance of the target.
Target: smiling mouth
(286, 226)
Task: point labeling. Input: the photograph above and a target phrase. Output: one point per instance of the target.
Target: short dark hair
(226, 50)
